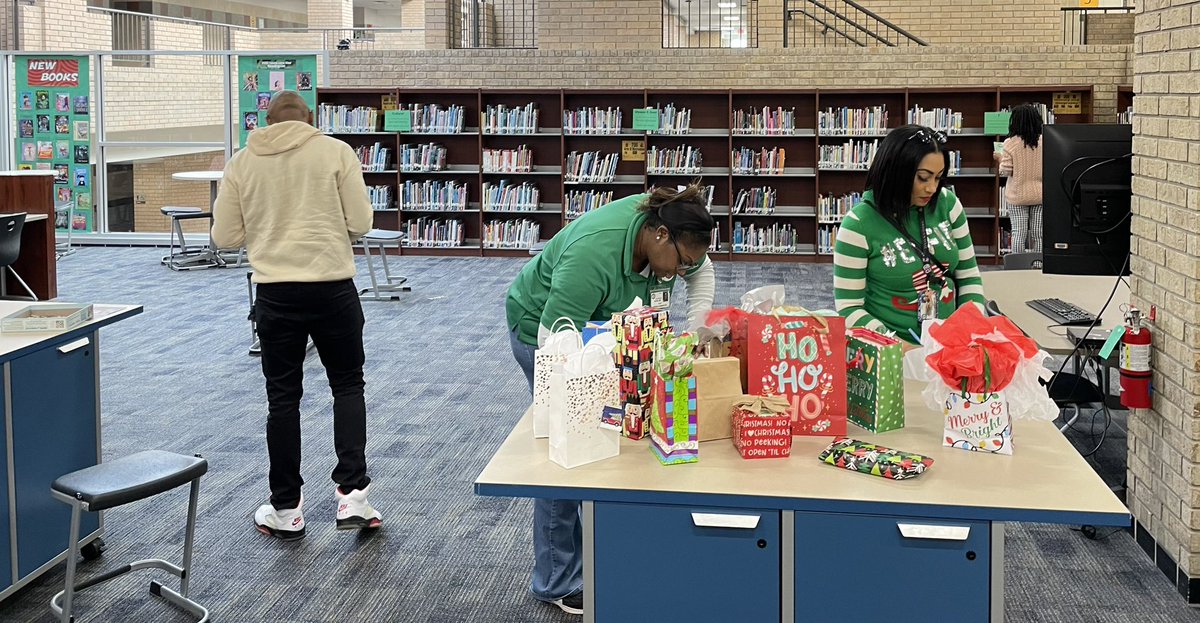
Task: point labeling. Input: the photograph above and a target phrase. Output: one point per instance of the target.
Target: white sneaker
(287, 525)
(354, 512)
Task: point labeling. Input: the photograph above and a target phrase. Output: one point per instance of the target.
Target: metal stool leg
(72, 554)
(189, 536)
(374, 289)
(387, 273)
(391, 287)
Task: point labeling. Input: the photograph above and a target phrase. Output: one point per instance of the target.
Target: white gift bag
(979, 422)
(546, 360)
(587, 386)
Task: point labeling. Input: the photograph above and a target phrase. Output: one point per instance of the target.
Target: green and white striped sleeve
(850, 275)
(966, 275)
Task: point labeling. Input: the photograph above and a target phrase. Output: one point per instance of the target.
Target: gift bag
(586, 386)
(869, 458)
(977, 421)
(637, 331)
(802, 356)
(762, 428)
(874, 383)
(718, 387)
(729, 324)
(673, 413)
(547, 359)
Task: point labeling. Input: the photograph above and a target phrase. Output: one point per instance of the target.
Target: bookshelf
(780, 129)
(1125, 103)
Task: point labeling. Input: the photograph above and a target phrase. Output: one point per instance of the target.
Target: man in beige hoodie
(296, 200)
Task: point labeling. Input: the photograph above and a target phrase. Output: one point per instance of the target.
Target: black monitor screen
(1086, 197)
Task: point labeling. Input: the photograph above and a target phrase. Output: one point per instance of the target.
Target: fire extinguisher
(1134, 362)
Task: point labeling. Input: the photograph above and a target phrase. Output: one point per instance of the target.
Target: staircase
(832, 23)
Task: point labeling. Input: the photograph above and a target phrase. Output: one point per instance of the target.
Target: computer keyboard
(1062, 312)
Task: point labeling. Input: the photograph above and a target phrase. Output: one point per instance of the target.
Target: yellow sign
(1089, 4)
(389, 102)
(1067, 103)
(634, 151)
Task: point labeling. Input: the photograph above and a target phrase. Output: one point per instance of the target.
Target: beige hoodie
(296, 200)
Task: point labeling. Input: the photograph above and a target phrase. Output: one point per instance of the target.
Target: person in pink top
(1021, 162)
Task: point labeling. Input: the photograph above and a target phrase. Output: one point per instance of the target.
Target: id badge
(926, 306)
(660, 299)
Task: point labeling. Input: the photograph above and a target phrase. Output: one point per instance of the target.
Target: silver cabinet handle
(718, 520)
(934, 532)
(73, 346)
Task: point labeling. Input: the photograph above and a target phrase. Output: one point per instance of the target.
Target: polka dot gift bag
(874, 380)
(587, 389)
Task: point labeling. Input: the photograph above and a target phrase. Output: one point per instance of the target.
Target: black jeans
(286, 314)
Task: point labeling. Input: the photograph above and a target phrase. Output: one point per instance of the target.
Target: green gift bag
(874, 380)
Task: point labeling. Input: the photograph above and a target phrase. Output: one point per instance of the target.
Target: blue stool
(118, 482)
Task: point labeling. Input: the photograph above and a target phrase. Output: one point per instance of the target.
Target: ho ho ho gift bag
(800, 355)
(586, 386)
(547, 359)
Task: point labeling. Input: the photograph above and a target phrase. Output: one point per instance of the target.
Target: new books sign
(54, 131)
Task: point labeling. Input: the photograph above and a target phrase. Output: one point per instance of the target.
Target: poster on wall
(54, 131)
(261, 77)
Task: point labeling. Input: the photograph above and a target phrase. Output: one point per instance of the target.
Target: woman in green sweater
(630, 248)
(904, 254)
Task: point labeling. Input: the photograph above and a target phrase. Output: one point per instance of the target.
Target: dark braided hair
(684, 213)
(1026, 122)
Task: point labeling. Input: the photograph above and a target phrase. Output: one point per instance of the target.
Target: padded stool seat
(384, 234)
(129, 479)
(180, 210)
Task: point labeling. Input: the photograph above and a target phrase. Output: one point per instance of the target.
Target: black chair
(10, 250)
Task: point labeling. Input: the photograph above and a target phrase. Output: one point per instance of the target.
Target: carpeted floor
(442, 392)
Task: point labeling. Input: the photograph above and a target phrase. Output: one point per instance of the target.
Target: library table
(51, 411)
(795, 540)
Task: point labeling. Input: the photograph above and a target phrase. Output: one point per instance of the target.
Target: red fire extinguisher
(1134, 362)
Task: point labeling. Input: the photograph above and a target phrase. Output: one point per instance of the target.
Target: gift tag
(610, 419)
(660, 299)
(1111, 342)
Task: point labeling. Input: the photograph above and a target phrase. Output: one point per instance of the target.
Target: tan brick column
(437, 24)
(330, 13)
(1164, 442)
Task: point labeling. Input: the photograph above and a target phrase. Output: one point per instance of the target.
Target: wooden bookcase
(798, 188)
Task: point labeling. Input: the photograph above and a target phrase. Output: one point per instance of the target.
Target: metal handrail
(1075, 20)
(788, 12)
(168, 18)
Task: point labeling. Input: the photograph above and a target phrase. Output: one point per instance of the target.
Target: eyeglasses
(929, 137)
(680, 265)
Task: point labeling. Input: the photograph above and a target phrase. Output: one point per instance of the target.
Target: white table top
(199, 176)
(1011, 288)
(1044, 480)
(30, 218)
(12, 342)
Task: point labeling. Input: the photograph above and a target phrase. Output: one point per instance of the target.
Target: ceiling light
(727, 5)
(732, 18)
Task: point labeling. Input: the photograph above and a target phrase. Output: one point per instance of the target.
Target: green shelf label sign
(996, 123)
(397, 121)
(645, 119)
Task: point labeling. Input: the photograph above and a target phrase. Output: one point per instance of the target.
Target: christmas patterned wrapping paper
(869, 458)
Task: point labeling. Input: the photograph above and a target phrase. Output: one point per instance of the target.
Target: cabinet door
(6, 578)
(922, 569)
(678, 563)
(54, 433)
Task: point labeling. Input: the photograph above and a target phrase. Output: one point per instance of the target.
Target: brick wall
(1103, 66)
(1164, 442)
(1110, 29)
(977, 21)
(330, 14)
(153, 188)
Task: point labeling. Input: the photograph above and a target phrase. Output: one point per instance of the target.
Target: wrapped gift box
(762, 427)
(637, 332)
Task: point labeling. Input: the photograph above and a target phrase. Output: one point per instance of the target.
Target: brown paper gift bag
(718, 386)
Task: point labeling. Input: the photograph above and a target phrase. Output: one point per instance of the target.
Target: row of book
(672, 120)
(852, 121)
(759, 162)
(594, 120)
(754, 201)
(832, 208)
(1046, 111)
(506, 197)
(955, 162)
(826, 236)
(511, 234)
(436, 119)
(1125, 116)
(519, 160)
(434, 233)
(501, 119)
(591, 166)
(427, 157)
(714, 244)
(851, 155)
(579, 202)
(943, 119)
(682, 159)
(380, 197)
(374, 158)
(1004, 204)
(433, 196)
(334, 119)
(776, 238)
(766, 121)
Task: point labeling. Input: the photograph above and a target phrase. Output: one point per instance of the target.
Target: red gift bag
(802, 357)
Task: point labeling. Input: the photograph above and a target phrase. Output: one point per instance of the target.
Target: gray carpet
(442, 392)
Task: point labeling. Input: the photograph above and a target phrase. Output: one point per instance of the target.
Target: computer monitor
(1086, 192)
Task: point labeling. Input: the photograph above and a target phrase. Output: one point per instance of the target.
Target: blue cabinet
(668, 563)
(924, 570)
(54, 428)
(5, 538)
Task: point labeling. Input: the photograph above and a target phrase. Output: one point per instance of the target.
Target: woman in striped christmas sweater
(904, 254)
